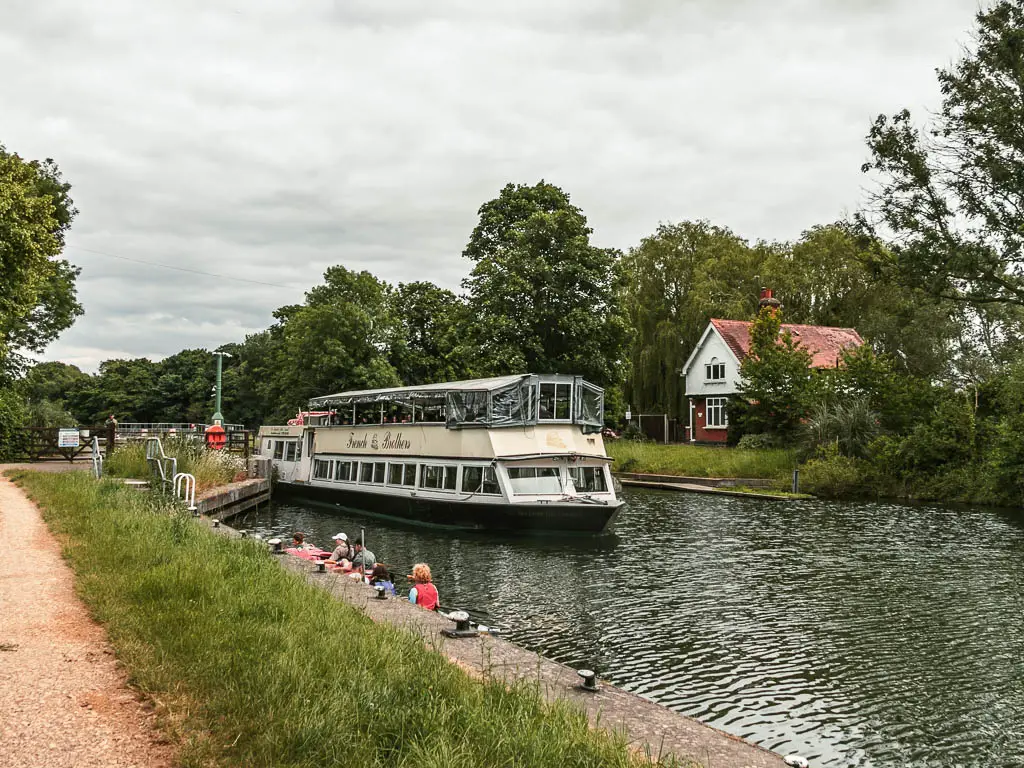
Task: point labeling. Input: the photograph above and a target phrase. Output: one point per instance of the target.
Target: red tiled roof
(822, 342)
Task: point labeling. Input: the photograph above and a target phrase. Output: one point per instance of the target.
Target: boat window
(526, 480)
(589, 479)
(480, 480)
(366, 472)
(321, 469)
(290, 451)
(344, 471)
(402, 474)
(437, 476)
(269, 445)
(279, 449)
(379, 468)
(430, 476)
(555, 402)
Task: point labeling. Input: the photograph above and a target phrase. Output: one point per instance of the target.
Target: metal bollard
(462, 626)
(796, 481)
(589, 680)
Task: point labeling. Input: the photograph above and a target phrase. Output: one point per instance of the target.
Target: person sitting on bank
(342, 554)
(423, 593)
(381, 577)
(363, 559)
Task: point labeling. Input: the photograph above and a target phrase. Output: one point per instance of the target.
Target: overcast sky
(268, 140)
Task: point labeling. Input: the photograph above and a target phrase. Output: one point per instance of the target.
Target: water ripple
(855, 634)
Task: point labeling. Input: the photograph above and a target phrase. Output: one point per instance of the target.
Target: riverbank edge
(652, 729)
(716, 486)
(375, 654)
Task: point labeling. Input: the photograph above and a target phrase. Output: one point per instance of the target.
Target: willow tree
(676, 280)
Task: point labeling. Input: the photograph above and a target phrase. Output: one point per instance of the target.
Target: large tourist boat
(511, 453)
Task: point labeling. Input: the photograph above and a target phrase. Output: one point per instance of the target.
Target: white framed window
(534, 480)
(438, 476)
(279, 449)
(714, 371)
(321, 469)
(714, 412)
(290, 450)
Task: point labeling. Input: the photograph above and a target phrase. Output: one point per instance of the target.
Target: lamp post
(218, 417)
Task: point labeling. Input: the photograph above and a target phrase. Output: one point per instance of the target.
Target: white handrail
(185, 489)
(97, 458)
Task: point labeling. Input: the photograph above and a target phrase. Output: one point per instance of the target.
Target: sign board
(67, 438)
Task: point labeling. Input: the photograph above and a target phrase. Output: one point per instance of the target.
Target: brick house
(712, 371)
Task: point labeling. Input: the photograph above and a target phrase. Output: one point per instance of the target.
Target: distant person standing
(424, 593)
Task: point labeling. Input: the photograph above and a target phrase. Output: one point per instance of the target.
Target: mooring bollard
(275, 546)
(796, 481)
(462, 626)
(216, 523)
(321, 566)
(382, 593)
(589, 682)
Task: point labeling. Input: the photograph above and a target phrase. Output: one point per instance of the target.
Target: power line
(182, 269)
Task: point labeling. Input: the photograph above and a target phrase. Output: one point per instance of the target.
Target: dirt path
(63, 700)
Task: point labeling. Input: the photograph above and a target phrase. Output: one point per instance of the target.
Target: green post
(218, 417)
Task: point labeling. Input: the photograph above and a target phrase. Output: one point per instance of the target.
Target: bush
(758, 442)
(835, 476)
(46, 413)
(851, 426)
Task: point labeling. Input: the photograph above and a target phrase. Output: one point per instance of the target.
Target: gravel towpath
(63, 699)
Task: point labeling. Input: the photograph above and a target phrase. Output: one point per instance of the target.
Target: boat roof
(423, 390)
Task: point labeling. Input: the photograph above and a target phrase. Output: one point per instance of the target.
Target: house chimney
(767, 300)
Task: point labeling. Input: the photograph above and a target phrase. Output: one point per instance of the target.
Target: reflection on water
(854, 634)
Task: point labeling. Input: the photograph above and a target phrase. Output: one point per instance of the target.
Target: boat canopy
(501, 401)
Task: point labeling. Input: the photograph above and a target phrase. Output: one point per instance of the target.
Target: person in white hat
(342, 554)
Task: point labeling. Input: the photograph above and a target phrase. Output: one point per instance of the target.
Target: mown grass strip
(699, 461)
(257, 668)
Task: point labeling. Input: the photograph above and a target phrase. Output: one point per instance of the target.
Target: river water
(853, 634)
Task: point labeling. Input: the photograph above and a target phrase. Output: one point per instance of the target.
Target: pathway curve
(63, 699)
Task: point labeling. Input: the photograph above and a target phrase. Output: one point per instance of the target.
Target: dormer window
(714, 371)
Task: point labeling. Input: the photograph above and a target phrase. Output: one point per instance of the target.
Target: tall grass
(257, 668)
(699, 461)
(210, 468)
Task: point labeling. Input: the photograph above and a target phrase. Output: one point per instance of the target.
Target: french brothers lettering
(388, 443)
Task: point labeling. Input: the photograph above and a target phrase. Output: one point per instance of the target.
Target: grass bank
(254, 667)
(210, 468)
(698, 461)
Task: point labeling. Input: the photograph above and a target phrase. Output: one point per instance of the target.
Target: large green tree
(430, 346)
(540, 296)
(37, 288)
(951, 192)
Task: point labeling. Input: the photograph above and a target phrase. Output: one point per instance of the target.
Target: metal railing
(163, 466)
(97, 458)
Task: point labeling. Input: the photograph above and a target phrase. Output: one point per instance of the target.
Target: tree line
(930, 272)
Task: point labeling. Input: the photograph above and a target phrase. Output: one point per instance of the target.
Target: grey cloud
(269, 141)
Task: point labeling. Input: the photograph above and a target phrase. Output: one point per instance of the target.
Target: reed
(699, 461)
(254, 667)
(210, 468)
